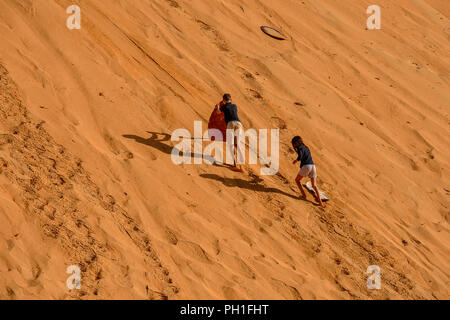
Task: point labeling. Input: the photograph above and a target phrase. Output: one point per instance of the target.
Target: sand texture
(86, 176)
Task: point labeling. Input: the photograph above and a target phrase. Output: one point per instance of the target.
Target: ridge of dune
(86, 176)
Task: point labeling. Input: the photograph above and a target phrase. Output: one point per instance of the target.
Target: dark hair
(297, 139)
(226, 97)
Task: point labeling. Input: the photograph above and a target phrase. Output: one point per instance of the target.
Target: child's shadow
(245, 184)
(157, 139)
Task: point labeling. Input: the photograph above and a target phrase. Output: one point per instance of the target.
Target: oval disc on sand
(273, 33)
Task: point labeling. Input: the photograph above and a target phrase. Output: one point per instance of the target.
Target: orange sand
(85, 170)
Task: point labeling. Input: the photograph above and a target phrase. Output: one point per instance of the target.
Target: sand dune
(86, 176)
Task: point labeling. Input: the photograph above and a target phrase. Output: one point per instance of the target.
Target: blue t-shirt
(304, 155)
(230, 111)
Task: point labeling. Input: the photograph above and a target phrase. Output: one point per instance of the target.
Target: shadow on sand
(157, 140)
(245, 184)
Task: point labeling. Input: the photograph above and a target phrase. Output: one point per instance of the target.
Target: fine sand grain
(86, 176)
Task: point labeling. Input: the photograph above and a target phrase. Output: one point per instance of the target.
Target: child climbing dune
(233, 123)
(307, 167)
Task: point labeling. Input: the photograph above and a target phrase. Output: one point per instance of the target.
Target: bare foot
(238, 168)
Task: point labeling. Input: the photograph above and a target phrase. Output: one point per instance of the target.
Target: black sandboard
(271, 32)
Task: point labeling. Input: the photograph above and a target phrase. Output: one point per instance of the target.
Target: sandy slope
(85, 170)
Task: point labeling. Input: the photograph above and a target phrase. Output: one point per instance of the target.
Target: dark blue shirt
(230, 111)
(304, 155)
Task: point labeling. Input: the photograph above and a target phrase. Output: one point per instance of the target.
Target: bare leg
(313, 183)
(232, 150)
(236, 165)
(298, 180)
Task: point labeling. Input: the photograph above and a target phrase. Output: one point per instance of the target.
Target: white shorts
(237, 130)
(308, 170)
(234, 125)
